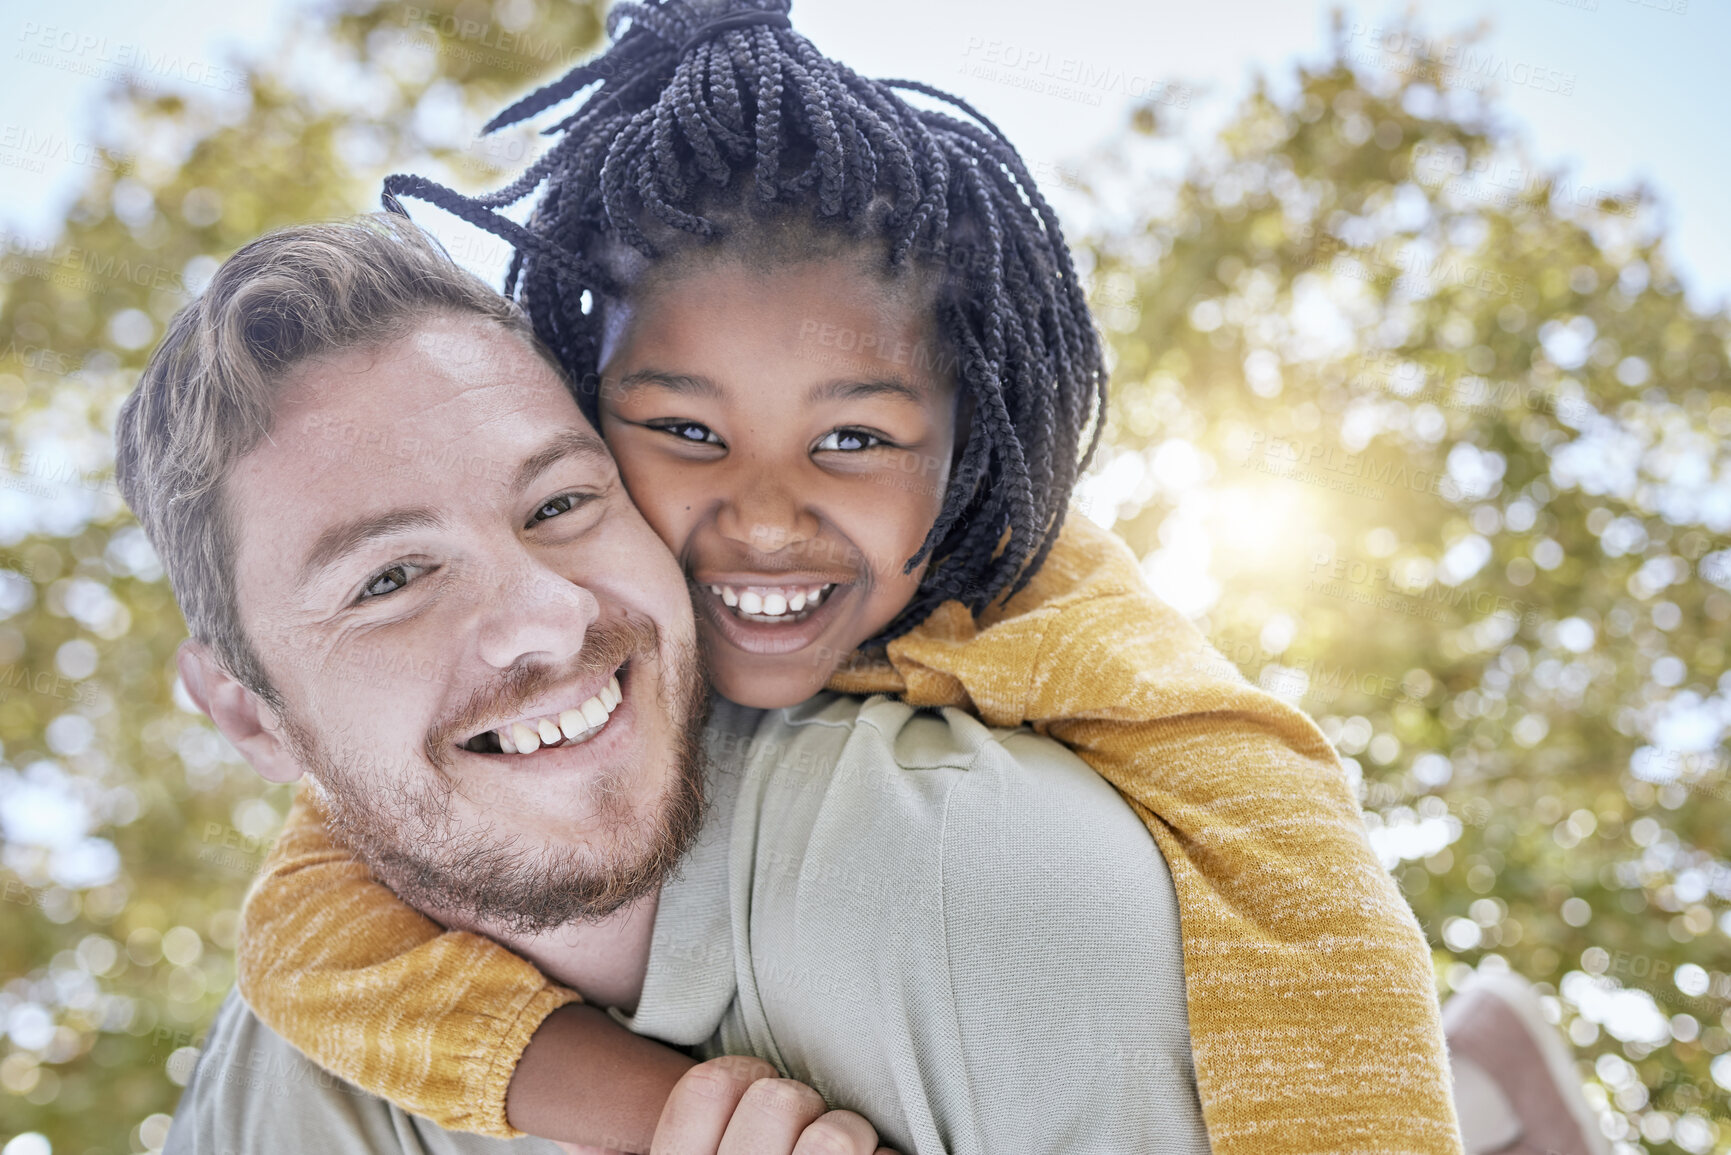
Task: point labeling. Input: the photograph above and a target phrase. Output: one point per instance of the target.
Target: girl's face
(789, 436)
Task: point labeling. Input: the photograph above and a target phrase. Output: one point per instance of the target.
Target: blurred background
(1421, 396)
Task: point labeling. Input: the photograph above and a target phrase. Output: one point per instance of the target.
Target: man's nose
(535, 614)
(765, 513)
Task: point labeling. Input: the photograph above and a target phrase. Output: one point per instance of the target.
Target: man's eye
(387, 581)
(850, 440)
(690, 431)
(553, 507)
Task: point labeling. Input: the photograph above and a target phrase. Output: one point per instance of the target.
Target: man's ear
(240, 715)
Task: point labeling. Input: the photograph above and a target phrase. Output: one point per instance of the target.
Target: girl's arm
(446, 1024)
(586, 1079)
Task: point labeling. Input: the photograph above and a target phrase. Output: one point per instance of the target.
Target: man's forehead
(453, 411)
(442, 359)
(451, 381)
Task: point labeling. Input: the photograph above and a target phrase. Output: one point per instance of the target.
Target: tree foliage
(1427, 439)
(1431, 442)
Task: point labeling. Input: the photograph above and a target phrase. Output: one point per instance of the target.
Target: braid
(703, 112)
(767, 128)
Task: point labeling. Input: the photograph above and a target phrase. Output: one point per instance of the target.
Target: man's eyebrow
(567, 443)
(689, 384)
(344, 538)
(846, 390)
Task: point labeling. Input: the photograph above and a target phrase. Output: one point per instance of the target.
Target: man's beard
(402, 825)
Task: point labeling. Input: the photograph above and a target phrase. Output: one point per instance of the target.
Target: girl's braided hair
(713, 114)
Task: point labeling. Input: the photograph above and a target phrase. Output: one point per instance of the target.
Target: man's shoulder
(1010, 899)
(246, 1075)
(903, 737)
(253, 1092)
(949, 772)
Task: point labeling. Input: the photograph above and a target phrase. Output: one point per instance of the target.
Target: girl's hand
(735, 1105)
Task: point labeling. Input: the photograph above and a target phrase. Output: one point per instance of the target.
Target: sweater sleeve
(1310, 990)
(377, 993)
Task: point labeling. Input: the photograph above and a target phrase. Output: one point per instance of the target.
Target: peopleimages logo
(1451, 63)
(1333, 467)
(45, 683)
(73, 50)
(34, 150)
(39, 357)
(472, 40)
(1396, 257)
(81, 269)
(1066, 77)
(1374, 583)
(1501, 181)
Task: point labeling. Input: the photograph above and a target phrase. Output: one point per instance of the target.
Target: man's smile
(569, 721)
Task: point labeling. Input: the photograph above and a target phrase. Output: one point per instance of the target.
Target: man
(898, 908)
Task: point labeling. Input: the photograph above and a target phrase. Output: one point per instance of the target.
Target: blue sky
(1618, 90)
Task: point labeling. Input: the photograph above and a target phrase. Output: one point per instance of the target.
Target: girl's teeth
(771, 604)
(549, 731)
(572, 723)
(593, 712)
(527, 740)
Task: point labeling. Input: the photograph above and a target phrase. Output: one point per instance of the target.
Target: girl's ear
(239, 715)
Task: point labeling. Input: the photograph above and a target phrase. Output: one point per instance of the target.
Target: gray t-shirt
(962, 933)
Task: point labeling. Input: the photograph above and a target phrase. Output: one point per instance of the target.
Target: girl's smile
(770, 618)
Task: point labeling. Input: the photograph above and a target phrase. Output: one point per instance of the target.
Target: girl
(842, 355)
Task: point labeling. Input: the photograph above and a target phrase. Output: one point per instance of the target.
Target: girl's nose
(766, 516)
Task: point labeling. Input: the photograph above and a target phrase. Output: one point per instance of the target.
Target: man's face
(485, 655)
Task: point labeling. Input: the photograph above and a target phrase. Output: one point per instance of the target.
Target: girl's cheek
(658, 498)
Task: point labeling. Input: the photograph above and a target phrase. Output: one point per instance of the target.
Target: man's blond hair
(206, 397)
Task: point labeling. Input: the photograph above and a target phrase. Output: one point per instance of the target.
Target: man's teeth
(571, 726)
(768, 603)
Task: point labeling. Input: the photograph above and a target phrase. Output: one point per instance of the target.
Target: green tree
(1430, 441)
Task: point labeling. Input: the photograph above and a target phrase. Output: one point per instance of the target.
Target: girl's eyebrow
(840, 389)
(689, 384)
(844, 389)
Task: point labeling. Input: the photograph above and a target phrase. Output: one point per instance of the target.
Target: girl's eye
(387, 581)
(553, 507)
(850, 440)
(690, 431)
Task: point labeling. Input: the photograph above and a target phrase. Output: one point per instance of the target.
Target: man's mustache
(607, 645)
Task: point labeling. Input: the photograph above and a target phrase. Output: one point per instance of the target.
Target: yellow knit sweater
(1313, 1010)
